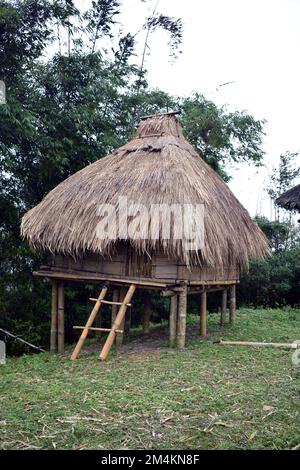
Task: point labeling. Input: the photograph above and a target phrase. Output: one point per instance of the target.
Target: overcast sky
(254, 43)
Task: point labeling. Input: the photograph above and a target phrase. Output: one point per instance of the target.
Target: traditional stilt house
(154, 216)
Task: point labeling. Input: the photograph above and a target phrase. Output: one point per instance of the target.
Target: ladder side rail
(88, 324)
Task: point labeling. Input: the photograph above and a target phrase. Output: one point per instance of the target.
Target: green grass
(207, 397)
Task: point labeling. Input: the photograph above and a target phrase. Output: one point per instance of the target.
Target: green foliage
(172, 25)
(24, 33)
(282, 178)
(282, 235)
(276, 280)
(221, 136)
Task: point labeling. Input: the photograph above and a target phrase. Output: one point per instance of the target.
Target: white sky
(254, 43)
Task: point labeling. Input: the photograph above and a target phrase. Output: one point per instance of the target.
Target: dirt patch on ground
(155, 341)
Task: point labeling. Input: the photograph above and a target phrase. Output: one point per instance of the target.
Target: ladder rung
(109, 302)
(96, 329)
(95, 300)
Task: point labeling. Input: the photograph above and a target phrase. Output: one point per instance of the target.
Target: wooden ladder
(116, 327)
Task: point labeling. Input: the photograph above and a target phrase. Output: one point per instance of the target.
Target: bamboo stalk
(95, 329)
(206, 288)
(17, 338)
(88, 324)
(117, 324)
(113, 303)
(223, 307)
(74, 276)
(120, 336)
(53, 332)
(61, 319)
(182, 306)
(173, 320)
(147, 313)
(232, 311)
(109, 302)
(203, 314)
(259, 344)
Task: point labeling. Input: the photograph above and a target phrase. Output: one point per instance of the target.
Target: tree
(282, 235)
(282, 178)
(275, 281)
(221, 136)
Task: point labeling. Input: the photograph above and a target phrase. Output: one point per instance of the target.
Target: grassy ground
(207, 397)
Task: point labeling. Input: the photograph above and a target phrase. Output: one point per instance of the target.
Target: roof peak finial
(159, 125)
(170, 113)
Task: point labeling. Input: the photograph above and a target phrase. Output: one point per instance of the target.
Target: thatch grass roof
(158, 166)
(290, 200)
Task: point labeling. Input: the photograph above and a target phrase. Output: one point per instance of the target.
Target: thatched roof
(290, 200)
(157, 166)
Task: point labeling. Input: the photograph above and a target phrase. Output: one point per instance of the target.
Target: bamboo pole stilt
(232, 308)
(147, 313)
(203, 314)
(120, 336)
(61, 319)
(53, 332)
(181, 330)
(223, 307)
(173, 320)
(88, 324)
(117, 324)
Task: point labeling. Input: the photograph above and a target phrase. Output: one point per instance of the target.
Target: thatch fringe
(290, 200)
(157, 167)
